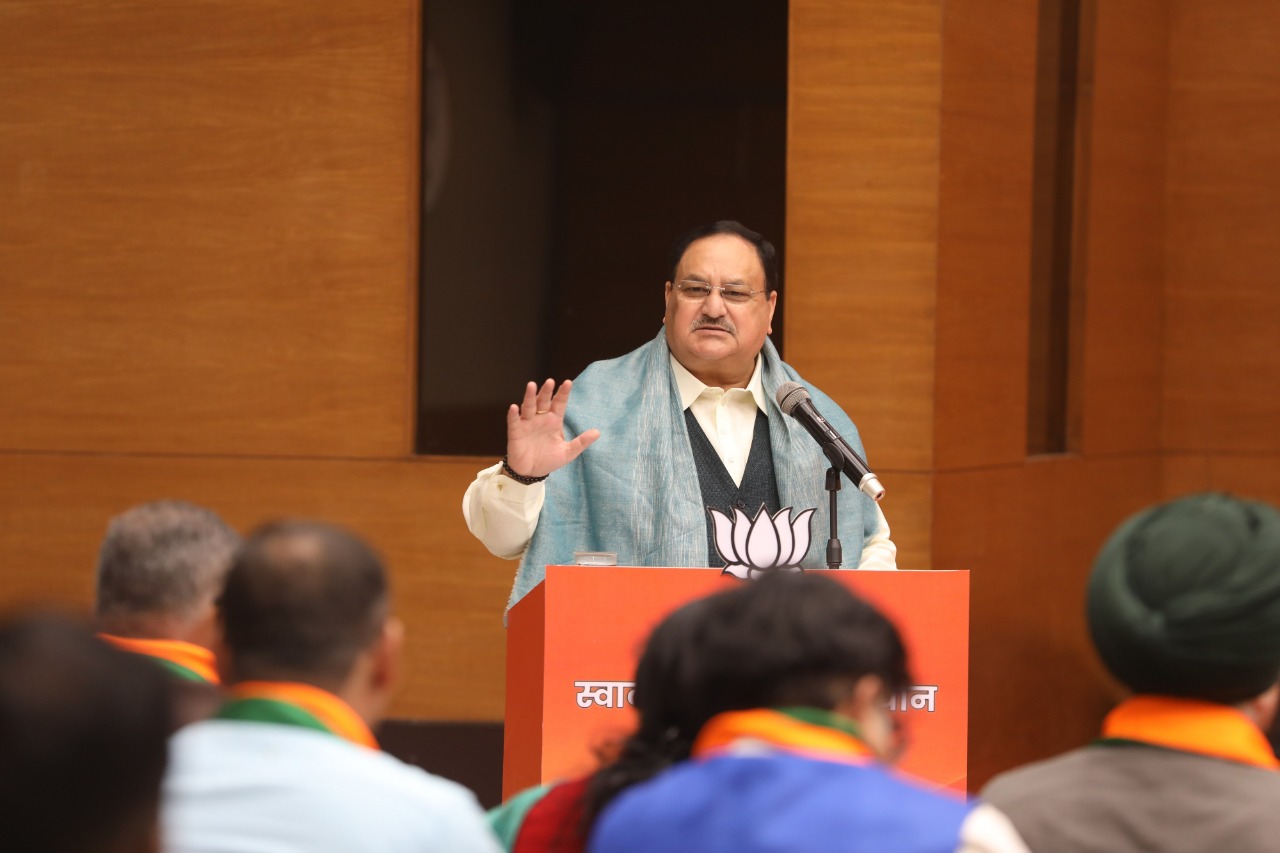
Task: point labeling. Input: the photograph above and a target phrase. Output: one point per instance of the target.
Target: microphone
(794, 400)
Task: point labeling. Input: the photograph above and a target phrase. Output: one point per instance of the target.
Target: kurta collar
(691, 387)
(1189, 725)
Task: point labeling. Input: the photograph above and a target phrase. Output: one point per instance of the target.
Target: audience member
(776, 692)
(290, 762)
(160, 569)
(82, 741)
(1184, 608)
(552, 818)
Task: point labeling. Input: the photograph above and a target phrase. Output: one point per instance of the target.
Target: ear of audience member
(1183, 607)
(160, 569)
(290, 762)
(83, 732)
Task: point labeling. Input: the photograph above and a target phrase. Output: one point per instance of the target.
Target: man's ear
(205, 629)
(387, 655)
(1262, 708)
(868, 694)
(221, 652)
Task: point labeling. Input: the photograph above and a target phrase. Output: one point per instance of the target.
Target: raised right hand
(536, 444)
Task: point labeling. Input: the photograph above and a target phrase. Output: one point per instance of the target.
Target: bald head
(302, 601)
(160, 567)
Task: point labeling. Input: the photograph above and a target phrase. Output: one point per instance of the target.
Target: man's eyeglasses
(697, 291)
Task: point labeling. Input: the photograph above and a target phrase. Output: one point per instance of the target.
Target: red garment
(553, 824)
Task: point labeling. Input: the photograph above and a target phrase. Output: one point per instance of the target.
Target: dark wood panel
(469, 753)
(208, 220)
(448, 589)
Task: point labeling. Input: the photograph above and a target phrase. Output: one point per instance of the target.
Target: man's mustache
(710, 323)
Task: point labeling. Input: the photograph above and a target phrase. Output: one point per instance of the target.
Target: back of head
(82, 740)
(784, 640)
(1184, 599)
(161, 563)
(301, 602)
(764, 249)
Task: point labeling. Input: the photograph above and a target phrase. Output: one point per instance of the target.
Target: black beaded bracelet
(520, 478)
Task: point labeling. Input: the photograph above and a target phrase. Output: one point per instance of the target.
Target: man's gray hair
(163, 558)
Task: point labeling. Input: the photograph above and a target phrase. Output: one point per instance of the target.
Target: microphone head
(790, 395)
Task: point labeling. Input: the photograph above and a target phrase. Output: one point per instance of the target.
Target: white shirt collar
(691, 387)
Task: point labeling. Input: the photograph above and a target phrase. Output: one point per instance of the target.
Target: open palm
(536, 445)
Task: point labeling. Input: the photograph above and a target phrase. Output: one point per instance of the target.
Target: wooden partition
(1221, 419)
(208, 238)
(909, 234)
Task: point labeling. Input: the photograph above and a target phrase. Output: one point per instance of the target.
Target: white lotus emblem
(767, 543)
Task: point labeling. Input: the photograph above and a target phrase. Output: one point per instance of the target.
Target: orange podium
(573, 643)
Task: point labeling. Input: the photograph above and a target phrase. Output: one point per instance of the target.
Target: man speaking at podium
(685, 423)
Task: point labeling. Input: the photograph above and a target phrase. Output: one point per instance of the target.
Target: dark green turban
(1184, 599)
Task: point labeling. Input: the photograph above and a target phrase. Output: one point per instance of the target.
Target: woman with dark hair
(763, 715)
(557, 818)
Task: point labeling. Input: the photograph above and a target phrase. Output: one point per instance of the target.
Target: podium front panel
(573, 643)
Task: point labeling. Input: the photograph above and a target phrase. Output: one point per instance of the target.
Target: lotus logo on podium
(754, 547)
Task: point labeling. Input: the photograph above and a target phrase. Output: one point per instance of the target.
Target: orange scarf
(1190, 725)
(808, 732)
(195, 659)
(335, 715)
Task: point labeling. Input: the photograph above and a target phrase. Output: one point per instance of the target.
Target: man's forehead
(723, 253)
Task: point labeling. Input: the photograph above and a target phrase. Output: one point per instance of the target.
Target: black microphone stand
(835, 555)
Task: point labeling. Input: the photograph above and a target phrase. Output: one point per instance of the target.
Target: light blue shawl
(635, 491)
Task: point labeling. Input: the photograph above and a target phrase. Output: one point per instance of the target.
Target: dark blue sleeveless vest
(759, 486)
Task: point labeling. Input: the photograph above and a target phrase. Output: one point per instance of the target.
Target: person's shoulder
(1039, 778)
(416, 779)
(609, 369)
(611, 388)
(441, 809)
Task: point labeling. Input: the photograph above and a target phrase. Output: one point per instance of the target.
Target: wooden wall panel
(984, 233)
(450, 591)
(1247, 475)
(1028, 535)
(908, 507)
(1028, 528)
(1221, 365)
(1120, 224)
(862, 176)
(207, 226)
